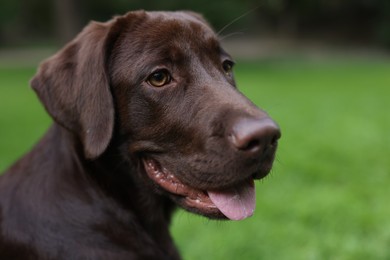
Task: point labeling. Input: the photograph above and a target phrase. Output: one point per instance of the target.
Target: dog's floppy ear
(74, 87)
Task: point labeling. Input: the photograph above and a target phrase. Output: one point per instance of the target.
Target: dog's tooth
(150, 164)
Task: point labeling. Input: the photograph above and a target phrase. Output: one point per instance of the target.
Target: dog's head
(160, 84)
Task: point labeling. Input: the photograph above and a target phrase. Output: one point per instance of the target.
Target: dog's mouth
(235, 203)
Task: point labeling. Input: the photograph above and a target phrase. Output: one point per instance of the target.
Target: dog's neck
(112, 183)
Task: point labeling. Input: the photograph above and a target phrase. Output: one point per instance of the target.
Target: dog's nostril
(254, 135)
(251, 145)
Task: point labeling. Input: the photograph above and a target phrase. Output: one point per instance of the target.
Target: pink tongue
(235, 203)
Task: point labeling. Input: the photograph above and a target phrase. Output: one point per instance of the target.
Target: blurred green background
(322, 71)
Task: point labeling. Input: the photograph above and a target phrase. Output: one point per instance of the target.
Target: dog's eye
(159, 78)
(227, 66)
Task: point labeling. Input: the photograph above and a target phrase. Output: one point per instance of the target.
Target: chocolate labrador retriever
(146, 116)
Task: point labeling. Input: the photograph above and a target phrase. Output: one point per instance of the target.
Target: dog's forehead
(152, 39)
(179, 27)
(184, 18)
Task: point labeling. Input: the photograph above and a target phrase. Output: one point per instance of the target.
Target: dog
(146, 116)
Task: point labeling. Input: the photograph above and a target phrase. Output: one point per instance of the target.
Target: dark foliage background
(363, 22)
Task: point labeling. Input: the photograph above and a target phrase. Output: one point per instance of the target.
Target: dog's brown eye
(227, 66)
(159, 78)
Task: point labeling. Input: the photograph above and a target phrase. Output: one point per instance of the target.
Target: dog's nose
(252, 135)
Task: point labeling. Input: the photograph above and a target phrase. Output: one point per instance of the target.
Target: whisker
(238, 18)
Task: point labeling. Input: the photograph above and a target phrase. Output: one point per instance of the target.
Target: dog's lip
(236, 202)
(194, 198)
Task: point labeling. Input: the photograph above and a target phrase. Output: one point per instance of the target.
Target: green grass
(328, 194)
(22, 117)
